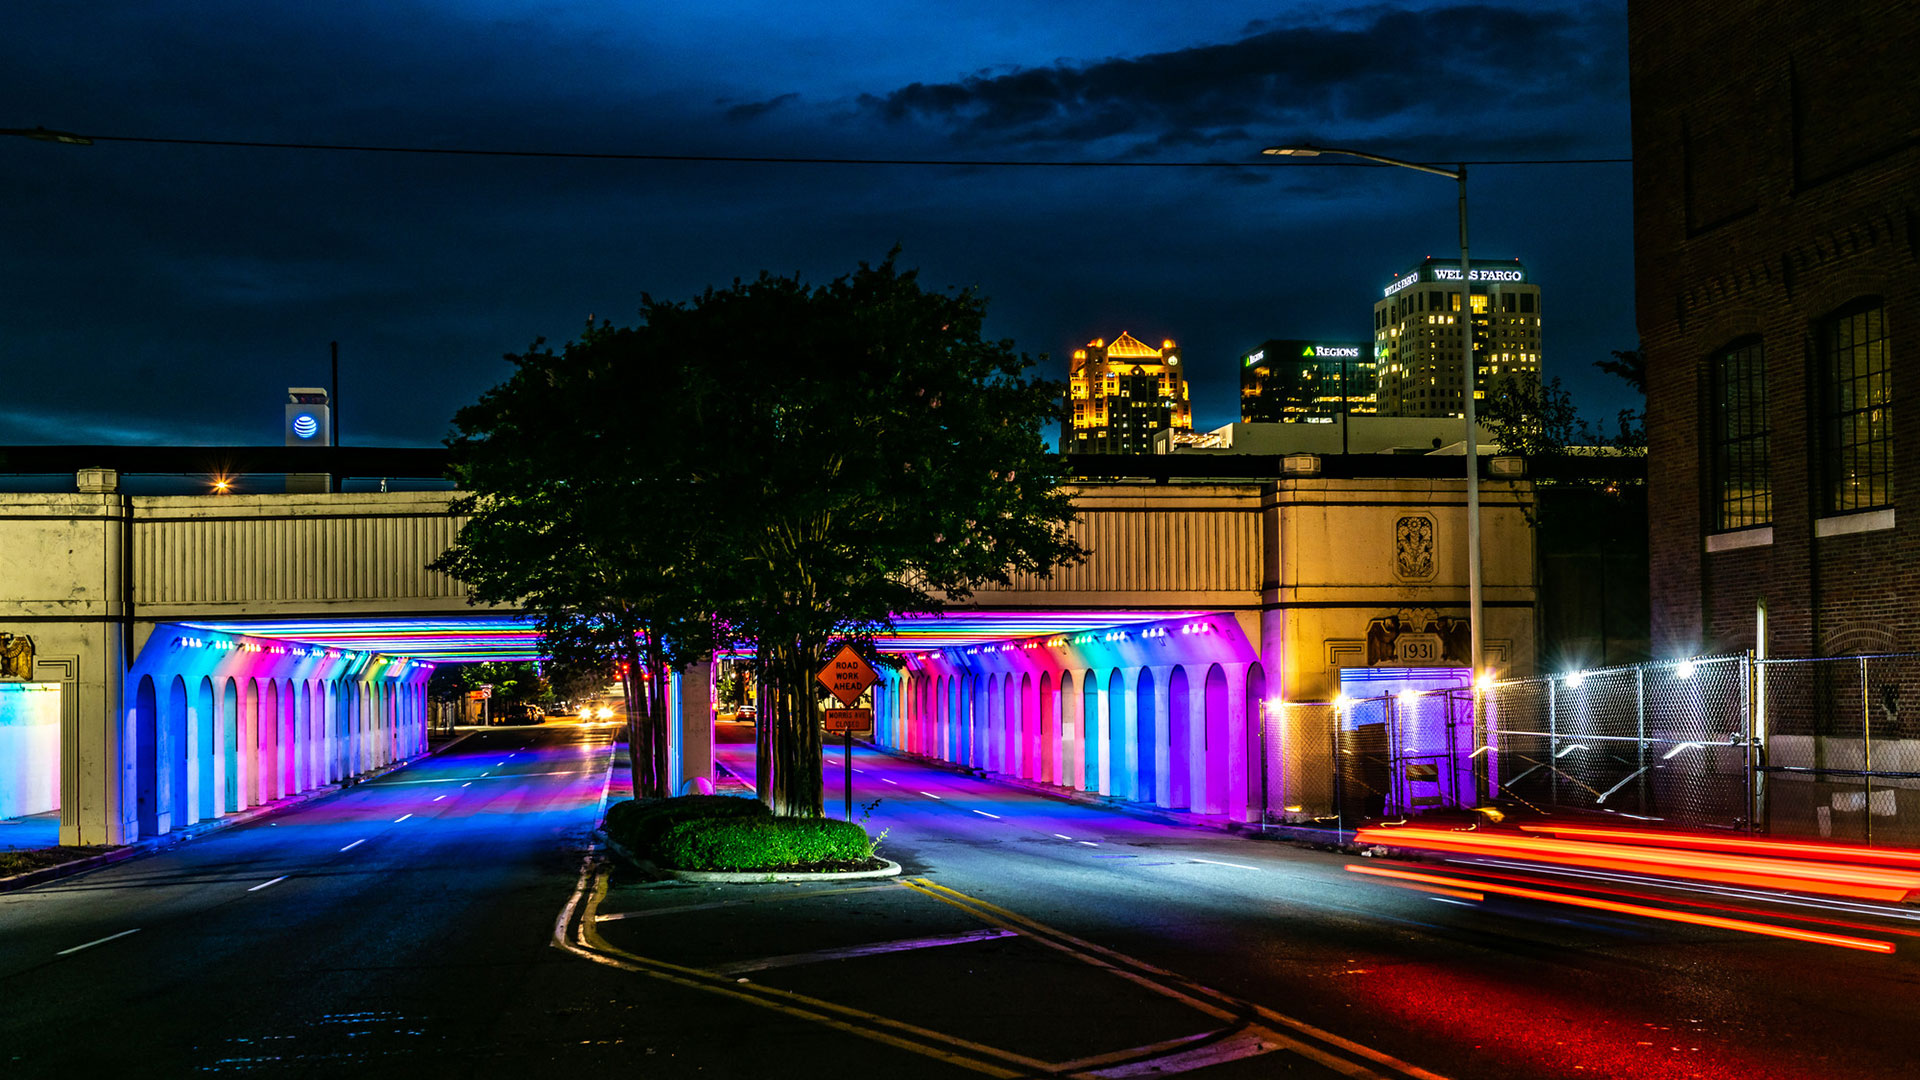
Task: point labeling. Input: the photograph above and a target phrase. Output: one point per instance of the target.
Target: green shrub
(637, 824)
(760, 843)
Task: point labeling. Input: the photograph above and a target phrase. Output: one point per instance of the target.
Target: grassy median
(729, 833)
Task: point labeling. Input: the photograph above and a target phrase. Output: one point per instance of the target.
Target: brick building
(1776, 182)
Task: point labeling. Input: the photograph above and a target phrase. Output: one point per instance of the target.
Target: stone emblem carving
(16, 656)
(1418, 637)
(1413, 548)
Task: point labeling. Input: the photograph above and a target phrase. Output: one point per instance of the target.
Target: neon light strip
(516, 637)
(1863, 883)
(1817, 852)
(1715, 921)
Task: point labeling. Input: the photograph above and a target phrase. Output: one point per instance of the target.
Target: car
(520, 712)
(747, 713)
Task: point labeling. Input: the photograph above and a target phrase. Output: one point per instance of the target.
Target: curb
(761, 877)
(195, 831)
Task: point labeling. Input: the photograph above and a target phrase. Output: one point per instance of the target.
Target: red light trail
(1641, 910)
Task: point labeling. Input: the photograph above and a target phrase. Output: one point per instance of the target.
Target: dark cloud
(753, 110)
(1384, 67)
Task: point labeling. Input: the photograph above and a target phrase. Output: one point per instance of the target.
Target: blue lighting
(306, 426)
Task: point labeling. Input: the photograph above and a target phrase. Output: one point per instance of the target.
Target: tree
(870, 455)
(581, 514)
(773, 463)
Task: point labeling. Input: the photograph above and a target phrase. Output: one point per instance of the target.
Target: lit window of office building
(1123, 391)
(1417, 351)
(1302, 381)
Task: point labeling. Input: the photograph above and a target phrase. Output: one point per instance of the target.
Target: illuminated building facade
(1416, 338)
(1122, 392)
(1302, 381)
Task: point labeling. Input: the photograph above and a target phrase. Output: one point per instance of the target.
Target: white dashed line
(102, 941)
(1444, 900)
(401, 818)
(355, 844)
(890, 781)
(983, 813)
(862, 771)
(264, 884)
(1089, 843)
(930, 795)
(483, 776)
(1063, 836)
(1235, 865)
(467, 784)
(437, 798)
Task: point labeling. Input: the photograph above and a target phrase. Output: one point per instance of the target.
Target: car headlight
(605, 712)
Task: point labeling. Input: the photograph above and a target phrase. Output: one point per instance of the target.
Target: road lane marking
(355, 844)
(878, 948)
(467, 784)
(101, 941)
(484, 775)
(437, 798)
(1181, 988)
(888, 781)
(264, 884)
(930, 795)
(983, 813)
(1063, 836)
(1246, 1044)
(402, 818)
(1235, 865)
(1089, 843)
(948, 1049)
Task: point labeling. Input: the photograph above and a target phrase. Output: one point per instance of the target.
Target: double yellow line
(1254, 1027)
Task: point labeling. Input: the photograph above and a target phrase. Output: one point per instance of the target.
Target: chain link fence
(1812, 748)
(1842, 741)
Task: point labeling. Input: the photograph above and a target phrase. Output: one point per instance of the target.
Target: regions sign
(847, 675)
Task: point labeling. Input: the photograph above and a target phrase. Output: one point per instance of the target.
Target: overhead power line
(771, 159)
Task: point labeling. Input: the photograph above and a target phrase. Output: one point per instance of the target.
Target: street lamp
(1470, 377)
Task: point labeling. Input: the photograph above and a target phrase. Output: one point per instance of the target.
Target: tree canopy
(774, 464)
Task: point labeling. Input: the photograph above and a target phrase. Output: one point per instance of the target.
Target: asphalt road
(407, 926)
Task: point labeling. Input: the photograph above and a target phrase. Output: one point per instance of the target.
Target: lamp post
(1470, 378)
(48, 135)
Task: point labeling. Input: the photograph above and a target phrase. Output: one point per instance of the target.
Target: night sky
(169, 294)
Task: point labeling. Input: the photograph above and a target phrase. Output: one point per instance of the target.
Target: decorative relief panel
(1413, 548)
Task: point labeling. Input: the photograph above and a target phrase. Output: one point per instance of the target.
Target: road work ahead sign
(847, 676)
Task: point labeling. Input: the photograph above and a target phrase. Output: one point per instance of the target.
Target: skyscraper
(1295, 381)
(1122, 392)
(1416, 340)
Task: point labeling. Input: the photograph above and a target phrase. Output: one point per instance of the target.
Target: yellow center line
(1379, 1057)
(841, 1017)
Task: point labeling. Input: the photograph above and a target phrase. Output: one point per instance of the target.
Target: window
(1857, 422)
(1742, 480)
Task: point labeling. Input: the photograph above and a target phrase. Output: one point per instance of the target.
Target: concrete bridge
(198, 654)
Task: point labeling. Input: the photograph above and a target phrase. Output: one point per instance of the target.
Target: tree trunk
(642, 726)
(657, 713)
(793, 787)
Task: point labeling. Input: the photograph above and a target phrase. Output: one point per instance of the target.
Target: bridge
(195, 655)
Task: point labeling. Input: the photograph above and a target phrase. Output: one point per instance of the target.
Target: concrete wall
(1291, 574)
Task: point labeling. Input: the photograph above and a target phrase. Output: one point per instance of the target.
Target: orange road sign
(847, 675)
(847, 721)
